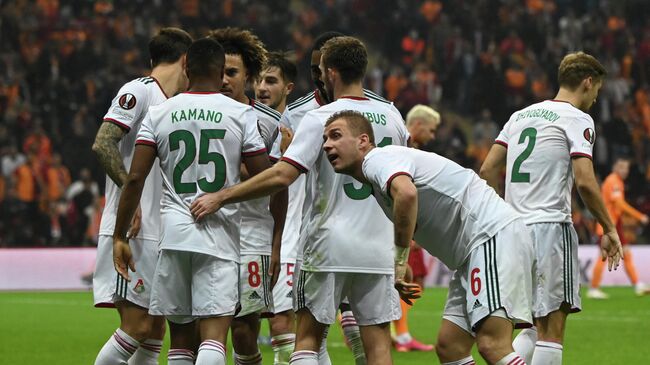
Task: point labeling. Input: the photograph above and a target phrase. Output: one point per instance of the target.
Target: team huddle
(235, 209)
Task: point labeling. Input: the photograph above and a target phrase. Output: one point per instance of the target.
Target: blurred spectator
(83, 195)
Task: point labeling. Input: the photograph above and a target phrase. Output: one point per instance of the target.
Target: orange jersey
(613, 191)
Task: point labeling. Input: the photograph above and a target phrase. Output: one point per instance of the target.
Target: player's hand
(136, 223)
(287, 137)
(122, 258)
(644, 220)
(274, 269)
(205, 204)
(611, 249)
(408, 291)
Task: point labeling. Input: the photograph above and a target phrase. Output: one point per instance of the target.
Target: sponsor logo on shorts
(127, 101)
(139, 286)
(477, 304)
(254, 296)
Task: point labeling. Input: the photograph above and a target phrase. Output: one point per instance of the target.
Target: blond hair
(578, 66)
(422, 112)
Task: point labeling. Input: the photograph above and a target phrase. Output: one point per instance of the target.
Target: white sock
(304, 358)
(466, 361)
(147, 353)
(255, 359)
(180, 357)
(352, 334)
(511, 359)
(547, 353)
(524, 343)
(283, 346)
(211, 352)
(323, 355)
(403, 338)
(117, 350)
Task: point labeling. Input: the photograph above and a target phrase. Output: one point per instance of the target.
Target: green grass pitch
(63, 328)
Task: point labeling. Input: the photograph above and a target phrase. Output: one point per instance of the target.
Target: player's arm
(629, 210)
(587, 186)
(108, 153)
(143, 160)
(494, 162)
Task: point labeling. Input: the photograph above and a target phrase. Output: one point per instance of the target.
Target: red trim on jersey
(354, 97)
(160, 86)
(104, 305)
(501, 143)
(146, 143)
(254, 153)
(390, 180)
(317, 96)
(580, 154)
(118, 123)
(251, 101)
(201, 92)
(274, 159)
(295, 164)
(560, 101)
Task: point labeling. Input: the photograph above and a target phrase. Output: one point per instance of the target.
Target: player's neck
(204, 86)
(358, 168)
(568, 96)
(282, 106)
(168, 76)
(243, 99)
(355, 89)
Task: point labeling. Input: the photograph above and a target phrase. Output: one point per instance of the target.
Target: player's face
(341, 147)
(329, 88)
(423, 132)
(591, 93)
(622, 168)
(271, 89)
(316, 75)
(234, 78)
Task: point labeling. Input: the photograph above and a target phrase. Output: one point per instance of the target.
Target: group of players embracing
(237, 208)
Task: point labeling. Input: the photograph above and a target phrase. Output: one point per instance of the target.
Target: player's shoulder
(376, 97)
(302, 101)
(265, 111)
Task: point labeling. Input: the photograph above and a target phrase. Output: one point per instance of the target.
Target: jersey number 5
(365, 190)
(518, 176)
(205, 157)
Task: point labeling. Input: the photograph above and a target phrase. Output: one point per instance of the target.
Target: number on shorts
(254, 279)
(475, 281)
(290, 274)
(365, 190)
(517, 176)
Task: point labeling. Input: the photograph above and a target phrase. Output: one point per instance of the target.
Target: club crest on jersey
(589, 135)
(139, 286)
(127, 101)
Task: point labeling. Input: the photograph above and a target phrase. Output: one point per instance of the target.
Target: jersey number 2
(518, 176)
(365, 190)
(205, 157)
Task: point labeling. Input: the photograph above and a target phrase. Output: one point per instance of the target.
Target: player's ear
(290, 87)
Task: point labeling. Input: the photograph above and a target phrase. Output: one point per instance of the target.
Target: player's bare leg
(550, 329)
(283, 336)
(309, 334)
(494, 341)
(377, 344)
(184, 343)
(244, 339)
(214, 331)
(454, 345)
(149, 350)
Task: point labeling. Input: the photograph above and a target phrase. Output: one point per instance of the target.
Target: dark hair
(357, 123)
(242, 42)
(205, 58)
(287, 68)
(168, 45)
(324, 37)
(348, 56)
(576, 67)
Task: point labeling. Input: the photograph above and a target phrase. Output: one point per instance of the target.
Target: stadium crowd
(474, 61)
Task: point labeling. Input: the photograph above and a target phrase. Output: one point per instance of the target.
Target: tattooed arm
(108, 153)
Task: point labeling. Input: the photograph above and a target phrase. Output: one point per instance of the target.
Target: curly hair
(242, 42)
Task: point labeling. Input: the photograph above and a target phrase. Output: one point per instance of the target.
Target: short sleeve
(268, 130)
(503, 138)
(307, 143)
(128, 106)
(382, 165)
(253, 143)
(276, 153)
(146, 134)
(581, 136)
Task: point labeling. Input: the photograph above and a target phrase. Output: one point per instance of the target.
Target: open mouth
(332, 157)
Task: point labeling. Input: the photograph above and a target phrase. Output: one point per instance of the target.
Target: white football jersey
(541, 139)
(344, 229)
(457, 210)
(200, 139)
(127, 110)
(256, 220)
